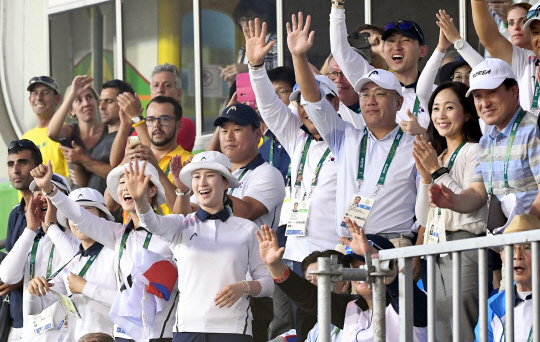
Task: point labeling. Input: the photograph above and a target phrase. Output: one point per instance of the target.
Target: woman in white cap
(125, 240)
(216, 249)
(88, 278)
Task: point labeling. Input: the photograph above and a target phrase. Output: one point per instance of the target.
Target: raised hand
(256, 47)
(299, 39)
(80, 84)
(268, 245)
(130, 104)
(176, 167)
(136, 181)
(43, 175)
(229, 72)
(412, 126)
(33, 214)
(39, 286)
(440, 196)
(426, 154)
(359, 244)
(448, 28)
(75, 155)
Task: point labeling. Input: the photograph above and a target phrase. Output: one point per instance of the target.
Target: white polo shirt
(288, 128)
(216, 251)
(110, 235)
(355, 67)
(523, 65)
(393, 211)
(98, 294)
(264, 183)
(16, 265)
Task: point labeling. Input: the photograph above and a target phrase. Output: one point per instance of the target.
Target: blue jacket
(496, 311)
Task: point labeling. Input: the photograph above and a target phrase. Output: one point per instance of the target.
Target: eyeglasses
(22, 144)
(460, 78)
(525, 248)
(312, 278)
(533, 13)
(164, 120)
(283, 93)
(379, 95)
(405, 25)
(334, 74)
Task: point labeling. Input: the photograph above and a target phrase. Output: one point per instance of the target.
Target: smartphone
(361, 42)
(65, 142)
(244, 91)
(133, 139)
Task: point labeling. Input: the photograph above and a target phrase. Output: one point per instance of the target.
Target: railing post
(456, 294)
(379, 306)
(536, 291)
(483, 293)
(431, 297)
(509, 292)
(406, 313)
(324, 283)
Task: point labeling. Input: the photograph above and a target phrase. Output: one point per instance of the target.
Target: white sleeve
(99, 294)
(65, 243)
(422, 204)
(95, 227)
(266, 187)
(276, 114)
(519, 61)
(258, 269)
(168, 227)
(424, 87)
(470, 55)
(329, 125)
(13, 266)
(353, 65)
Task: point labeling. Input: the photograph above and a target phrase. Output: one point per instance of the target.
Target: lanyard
(515, 126)
(362, 159)
(451, 163)
(239, 179)
(271, 158)
(33, 259)
(416, 108)
(85, 268)
(334, 333)
(535, 96)
(300, 172)
(123, 246)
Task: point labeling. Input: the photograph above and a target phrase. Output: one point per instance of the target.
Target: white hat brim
(487, 83)
(187, 172)
(62, 219)
(113, 179)
(529, 22)
(361, 82)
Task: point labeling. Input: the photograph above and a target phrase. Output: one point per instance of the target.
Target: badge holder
(299, 213)
(435, 230)
(358, 210)
(42, 322)
(286, 207)
(70, 308)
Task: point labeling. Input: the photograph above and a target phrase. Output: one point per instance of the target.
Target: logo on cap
(203, 158)
(80, 195)
(482, 73)
(374, 72)
(232, 108)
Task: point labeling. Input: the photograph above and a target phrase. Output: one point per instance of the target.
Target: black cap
(240, 114)
(408, 28)
(377, 241)
(447, 70)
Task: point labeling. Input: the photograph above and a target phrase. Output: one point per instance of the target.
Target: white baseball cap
(209, 160)
(60, 181)
(489, 74)
(383, 78)
(532, 15)
(86, 197)
(325, 84)
(113, 179)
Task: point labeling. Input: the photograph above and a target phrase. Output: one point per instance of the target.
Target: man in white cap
(523, 61)
(367, 159)
(508, 155)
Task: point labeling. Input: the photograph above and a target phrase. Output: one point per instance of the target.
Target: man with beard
(23, 156)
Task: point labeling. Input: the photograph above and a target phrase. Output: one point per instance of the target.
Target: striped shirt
(524, 163)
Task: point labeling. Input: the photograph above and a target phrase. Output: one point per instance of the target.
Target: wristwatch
(435, 175)
(458, 45)
(48, 225)
(137, 119)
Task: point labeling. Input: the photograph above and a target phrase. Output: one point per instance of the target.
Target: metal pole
(367, 12)
(431, 297)
(379, 306)
(483, 293)
(280, 33)
(406, 306)
(324, 288)
(456, 294)
(463, 19)
(197, 61)
(509, 291)
(119, 59)
(536, 291)
(97, 48)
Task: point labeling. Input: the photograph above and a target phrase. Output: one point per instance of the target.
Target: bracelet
(48, 225)
(138, 123)
(255, 67)
(249, 288)
(338, 3)
(283, 277)
(181, 194)
(50, 192)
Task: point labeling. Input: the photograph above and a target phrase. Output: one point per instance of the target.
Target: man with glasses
(404, 45)
(44, 98)
(23, 157)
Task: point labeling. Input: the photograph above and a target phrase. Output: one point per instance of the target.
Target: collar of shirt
(40, 233)
(355, 107)
(90, 251)
(390, 135)
(412, 85)
(506, 131)
(537, 62)
(518, 300)
(255, 163)
(130, 226)
(304, 128)
(22, 206)
(221, 215)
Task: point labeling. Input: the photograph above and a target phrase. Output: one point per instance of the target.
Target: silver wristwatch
(458, 45)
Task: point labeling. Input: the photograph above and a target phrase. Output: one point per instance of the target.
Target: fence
(374, 272)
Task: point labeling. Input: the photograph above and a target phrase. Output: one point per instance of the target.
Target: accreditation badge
(358, 210)
(435, 230)
(286, 207)
(42, 322)
(68, 304)
(298, 217)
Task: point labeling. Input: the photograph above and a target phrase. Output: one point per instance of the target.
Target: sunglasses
(405, 25)
(533, 13)
(22, 144)
(45, 79)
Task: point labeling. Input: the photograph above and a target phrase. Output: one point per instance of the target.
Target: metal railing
(376, 269)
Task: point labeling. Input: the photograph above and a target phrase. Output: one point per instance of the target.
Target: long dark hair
(471, 128)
